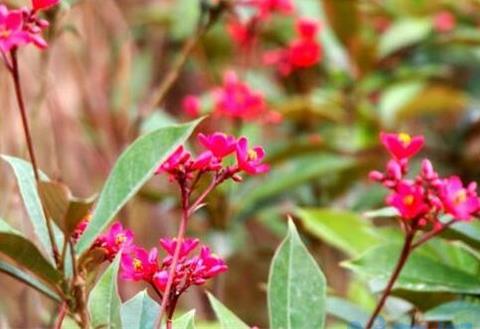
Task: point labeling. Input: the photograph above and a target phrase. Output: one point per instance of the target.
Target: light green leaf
(296, 287)
(28, 189)
(25, 253)
(185, 14)
(467, 320)
(28, 280)
(448, 311)
(348, 312)
(227, 318)
(133, 168)
(104, 302)
(345, 230)
(186, 321)
(403, 33)
(386, 212)
(139, 312)
(396, 97)
(421, 272)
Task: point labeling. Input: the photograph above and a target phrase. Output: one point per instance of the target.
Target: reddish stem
(61, 316)
(431, 234)
(405, 253)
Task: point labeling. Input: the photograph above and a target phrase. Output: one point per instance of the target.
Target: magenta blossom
(462, 203)
(409, 201)
(178, 158)
(219, 144)
(186, 248)
(250, 160)
(139, 264)
(402, 146)
(114, 240)
(44, 4)
(12, 34)
(191, 106)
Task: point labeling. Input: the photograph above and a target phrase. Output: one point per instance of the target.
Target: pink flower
(191, 106)
(160, 280)
(177, 159)
(115, 239)
(458, 201)
(81, 227)
(12, 34)
(139, 264)
(235, 99)
(218, 143)
(250, 160)
(267, 7)
(307, 28)
(444, 21)
(243, 33)
(304, 53)
(402, 146)
(207, 266)
(44, 4)
(408, 199)
(169, 245)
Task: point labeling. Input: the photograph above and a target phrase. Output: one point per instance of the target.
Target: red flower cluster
(444, 22)
(234, 100)
(139, 264)
(244, 32)
(116, 239)
(423, 200)
(182, 166)
(303, 52)
(23, 26)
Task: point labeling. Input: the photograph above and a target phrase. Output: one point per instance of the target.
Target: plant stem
(405, 253)
(431, 234)
(61, 315)
(26, 130)
(23, 113)
(181, 234)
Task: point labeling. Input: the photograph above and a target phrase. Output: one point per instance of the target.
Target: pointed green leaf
(104, 302)
(26, 254)
(28, 280)
(296, 287)
(345, 230)
(133, 168)
(27, 185)
(448, 311)
(186, 321)
(226, 317)
(422, 271)
(139, 312)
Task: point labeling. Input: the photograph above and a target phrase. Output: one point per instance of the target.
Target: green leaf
(186, 321)
(289, 176)
(348, 312)
(467, 319)
(25, 253)
(396, 97)
(104, 302)
(421, 272)
(345, 230)
(226, 317)
(27, 185)
(28, 280)
(134, 167)
(185, 14)
(403, 33)
(296, 287)
(448, 311)
(139, 312)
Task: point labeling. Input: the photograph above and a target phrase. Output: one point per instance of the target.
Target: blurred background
(383, 65)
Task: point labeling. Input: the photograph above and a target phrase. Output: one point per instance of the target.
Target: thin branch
(431, 234)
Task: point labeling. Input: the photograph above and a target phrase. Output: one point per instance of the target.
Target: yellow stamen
(460, 197)
(404, 138)
(252, 155)
(408, 200)
(4, 34)
(120, 238)
(137, 264)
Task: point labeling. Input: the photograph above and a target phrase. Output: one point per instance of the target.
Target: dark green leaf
(134, 167)
(296, 287)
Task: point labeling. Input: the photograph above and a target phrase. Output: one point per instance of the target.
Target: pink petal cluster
(444, 22)
(23, 26)
(81, 227)
(116, 239)
(180, 165)
(424, 199)
(138, 264)
(303, 52)
(235, 100)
